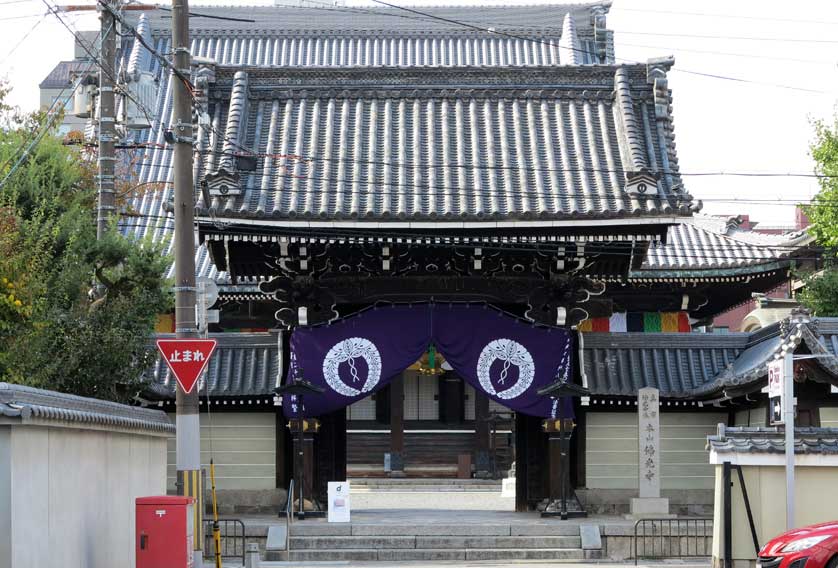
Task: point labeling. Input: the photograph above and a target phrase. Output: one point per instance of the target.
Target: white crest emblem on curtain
(348, 351)
(511, 353)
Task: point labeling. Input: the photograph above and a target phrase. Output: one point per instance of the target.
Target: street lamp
(562, 389)
(299, 387)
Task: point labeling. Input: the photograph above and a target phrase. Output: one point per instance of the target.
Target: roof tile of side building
(700, 366)
(708, 242)
(36, 406)
(761, 440)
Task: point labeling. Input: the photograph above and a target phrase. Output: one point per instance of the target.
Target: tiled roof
(619, 364)
(540, 144)
(750, 440)
(37, 406)
(697, 365)
(61, 74)
(244, 364)
(706, 242)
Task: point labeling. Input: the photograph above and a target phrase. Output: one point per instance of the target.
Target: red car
(815, 546)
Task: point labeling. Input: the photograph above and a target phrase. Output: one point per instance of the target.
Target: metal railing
(232, 539)
(673, 538)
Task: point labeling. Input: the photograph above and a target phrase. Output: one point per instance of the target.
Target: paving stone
(525, 554)
(353, 542)
(544, 529)
(590, 537)
(497, 542)
(332, 555)
(425, 554)
(317, 528)
(431, 530)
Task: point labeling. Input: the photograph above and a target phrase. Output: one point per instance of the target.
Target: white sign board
(775, 378)
(776, 392)
(339, 502)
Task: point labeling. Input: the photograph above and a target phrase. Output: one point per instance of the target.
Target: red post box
(165, 532)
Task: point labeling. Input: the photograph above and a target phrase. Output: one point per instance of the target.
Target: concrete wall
(817, 502)
(67, 495)
(243, 447)
(611, 450)
(829, 417)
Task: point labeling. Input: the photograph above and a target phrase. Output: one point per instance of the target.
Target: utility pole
(788, 419)
(107, 118)
(188, 418)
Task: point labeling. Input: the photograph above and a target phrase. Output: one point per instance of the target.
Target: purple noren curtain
(507, 359)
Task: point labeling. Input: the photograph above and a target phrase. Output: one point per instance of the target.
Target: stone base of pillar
(482, 465)
(396, 465)
(650, 507)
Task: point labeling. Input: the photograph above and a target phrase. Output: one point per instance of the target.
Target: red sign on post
(187, 358)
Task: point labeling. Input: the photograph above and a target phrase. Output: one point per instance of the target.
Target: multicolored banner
(648, 322)
(507, 359)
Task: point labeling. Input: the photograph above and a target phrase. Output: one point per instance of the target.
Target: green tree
(76, 313)
(820, 293)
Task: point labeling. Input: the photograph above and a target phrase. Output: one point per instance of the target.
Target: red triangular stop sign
(187, 358)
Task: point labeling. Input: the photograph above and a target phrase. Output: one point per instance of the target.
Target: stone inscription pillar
(649, 501)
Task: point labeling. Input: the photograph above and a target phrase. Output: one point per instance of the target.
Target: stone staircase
(435, 485)
(323, 542)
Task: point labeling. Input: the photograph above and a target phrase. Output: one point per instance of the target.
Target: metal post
(107, 119)
(301, 464)
(728, 515)
(788, 419)
(188, 420)
(563, 464)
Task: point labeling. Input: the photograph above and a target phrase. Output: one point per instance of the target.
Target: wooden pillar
(397, 427)
(481, 435)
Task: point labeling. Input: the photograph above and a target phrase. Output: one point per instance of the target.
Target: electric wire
(52, 114)
(731, 16)
(24, 38)
(549, 43)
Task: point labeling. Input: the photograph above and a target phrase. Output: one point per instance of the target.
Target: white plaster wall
(72, 495)
(816, 502)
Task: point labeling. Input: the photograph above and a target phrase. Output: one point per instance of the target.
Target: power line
(46, 127)
(549, 43)
(733, 54)
(731, 16)
(25, 36)
(7, 18)
(738, 38)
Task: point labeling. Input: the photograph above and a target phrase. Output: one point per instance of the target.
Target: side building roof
(27, 405)
(700, 366)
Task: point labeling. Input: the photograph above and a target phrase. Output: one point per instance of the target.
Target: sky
(781, 66)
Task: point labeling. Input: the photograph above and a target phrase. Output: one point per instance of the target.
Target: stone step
(389, 481)
(439, 554)
(426, 489)
(312, 529)
(433, 542)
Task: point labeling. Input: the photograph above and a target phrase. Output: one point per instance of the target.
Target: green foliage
(54, 332)
(823, 212)
(820, 293)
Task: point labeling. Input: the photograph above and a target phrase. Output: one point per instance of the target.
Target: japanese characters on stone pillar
(648, 406)
(649, 502)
